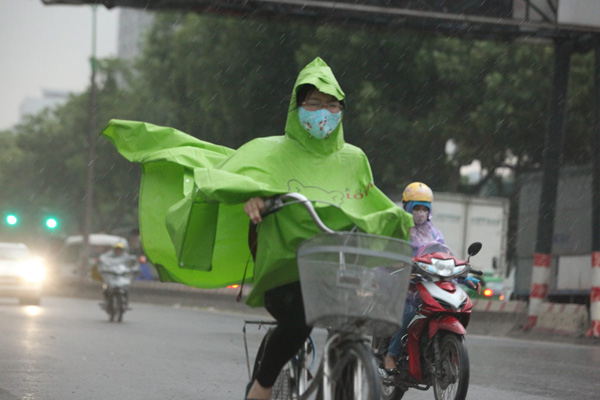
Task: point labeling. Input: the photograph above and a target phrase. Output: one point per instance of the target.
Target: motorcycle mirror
(474, 248)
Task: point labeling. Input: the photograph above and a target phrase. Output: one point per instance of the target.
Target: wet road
(66, 349)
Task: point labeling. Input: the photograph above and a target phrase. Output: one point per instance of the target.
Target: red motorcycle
(434, 351)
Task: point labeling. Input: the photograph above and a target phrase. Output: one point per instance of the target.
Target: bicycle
(354, 285)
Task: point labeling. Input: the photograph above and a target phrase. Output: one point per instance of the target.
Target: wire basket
(355, 282)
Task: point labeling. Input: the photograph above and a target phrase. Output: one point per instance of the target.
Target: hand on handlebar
(478, 287)
(258, 207)
(254, 208)
(473, 283)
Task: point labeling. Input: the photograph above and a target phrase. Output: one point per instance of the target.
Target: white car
(21, 274)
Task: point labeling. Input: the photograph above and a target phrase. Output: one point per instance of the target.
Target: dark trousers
(284, 303)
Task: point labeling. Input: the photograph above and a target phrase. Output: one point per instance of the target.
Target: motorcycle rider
(416, 199)
(115, 256)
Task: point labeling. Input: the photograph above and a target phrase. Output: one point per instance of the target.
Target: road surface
(67, 350)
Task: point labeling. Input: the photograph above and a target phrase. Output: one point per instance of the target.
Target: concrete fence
(560, 319)
(499, 306)
(563, 319)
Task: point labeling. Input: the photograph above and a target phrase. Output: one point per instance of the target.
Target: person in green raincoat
(199, 203)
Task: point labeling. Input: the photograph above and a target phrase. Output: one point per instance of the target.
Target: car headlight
(33, 271)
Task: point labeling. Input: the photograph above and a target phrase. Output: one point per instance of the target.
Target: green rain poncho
(192, 223)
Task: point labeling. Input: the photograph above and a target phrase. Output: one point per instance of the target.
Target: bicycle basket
(355, 282)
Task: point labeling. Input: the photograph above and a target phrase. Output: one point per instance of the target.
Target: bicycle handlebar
(276, 203)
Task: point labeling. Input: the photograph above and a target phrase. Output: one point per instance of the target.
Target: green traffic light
(11, 219)
(51, 223)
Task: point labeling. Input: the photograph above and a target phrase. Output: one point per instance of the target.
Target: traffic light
(30, 221)
(12, 219)
(51, 223)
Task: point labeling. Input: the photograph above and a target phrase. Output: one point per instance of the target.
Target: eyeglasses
(313, 105)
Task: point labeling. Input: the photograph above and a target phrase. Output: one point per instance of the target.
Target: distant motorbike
(117, 274)
(434, 350)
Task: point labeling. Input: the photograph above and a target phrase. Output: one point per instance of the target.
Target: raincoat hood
(318, 74)
(192, 223)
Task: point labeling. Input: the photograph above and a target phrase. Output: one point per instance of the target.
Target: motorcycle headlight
(443, 268)
(459, 269)
(33, 271)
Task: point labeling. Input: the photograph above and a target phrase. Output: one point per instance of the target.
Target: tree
(228, 80)
(49, 170)
(216, 78)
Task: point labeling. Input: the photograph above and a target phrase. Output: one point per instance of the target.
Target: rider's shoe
(387, 375)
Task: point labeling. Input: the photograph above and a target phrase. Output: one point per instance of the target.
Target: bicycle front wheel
(352, 374)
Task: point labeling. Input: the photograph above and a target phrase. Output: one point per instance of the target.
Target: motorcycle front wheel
(120, 306)
(451, 379)
(110, 307)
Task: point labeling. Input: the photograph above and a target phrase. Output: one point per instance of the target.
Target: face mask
(420, 217)
(319, 123)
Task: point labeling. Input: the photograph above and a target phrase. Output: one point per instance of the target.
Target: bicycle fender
(447, 323)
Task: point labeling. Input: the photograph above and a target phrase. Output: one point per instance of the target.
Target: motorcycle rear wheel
(388, 391)
(451, 381)
(391, 393)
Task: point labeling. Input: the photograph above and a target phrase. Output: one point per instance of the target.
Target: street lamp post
(91, 141)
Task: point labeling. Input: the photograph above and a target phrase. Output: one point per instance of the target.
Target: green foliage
(46, 170)
(511, 117)
(219, 79)
(228, 80)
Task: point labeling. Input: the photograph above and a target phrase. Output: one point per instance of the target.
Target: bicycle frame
(260, 324)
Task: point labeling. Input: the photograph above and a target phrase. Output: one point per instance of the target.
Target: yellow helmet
(119, 245)
(417, 191)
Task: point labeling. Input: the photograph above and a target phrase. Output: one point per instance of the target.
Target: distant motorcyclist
(416, 199)
(114, 258)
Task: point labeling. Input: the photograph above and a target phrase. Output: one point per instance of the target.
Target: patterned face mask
(319, 123)
(420, 216)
